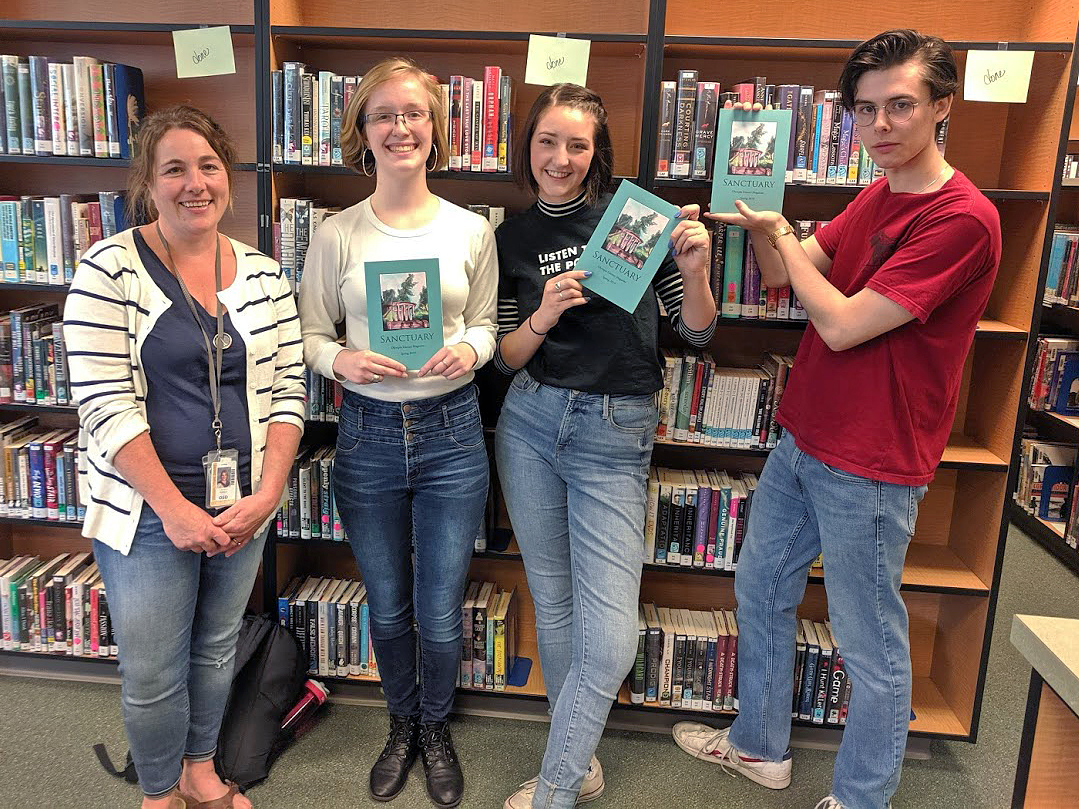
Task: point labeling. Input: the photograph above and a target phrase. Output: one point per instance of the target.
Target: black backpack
(270, 671)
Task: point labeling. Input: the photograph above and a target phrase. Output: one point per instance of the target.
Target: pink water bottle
(314, 694)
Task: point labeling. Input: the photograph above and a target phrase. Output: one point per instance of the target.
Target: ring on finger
(376, 378)
(558, 286)
(559, 296)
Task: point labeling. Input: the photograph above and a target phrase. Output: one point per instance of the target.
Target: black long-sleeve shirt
(597, 347)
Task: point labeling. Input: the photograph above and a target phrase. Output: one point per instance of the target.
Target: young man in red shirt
(894, 287)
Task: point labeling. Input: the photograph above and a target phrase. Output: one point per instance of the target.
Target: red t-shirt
(884, 409)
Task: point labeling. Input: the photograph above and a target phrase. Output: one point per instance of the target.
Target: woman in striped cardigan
(169, 324)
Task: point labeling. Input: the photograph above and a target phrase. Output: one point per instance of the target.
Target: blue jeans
(803, 507)
(412, 477)
(175, 615)
(574, 472)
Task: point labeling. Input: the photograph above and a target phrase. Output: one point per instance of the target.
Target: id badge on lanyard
(221, 467)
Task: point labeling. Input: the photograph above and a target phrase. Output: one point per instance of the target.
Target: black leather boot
(390, 772)
(445, 781)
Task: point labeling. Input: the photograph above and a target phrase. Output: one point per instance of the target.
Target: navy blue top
(178, 404)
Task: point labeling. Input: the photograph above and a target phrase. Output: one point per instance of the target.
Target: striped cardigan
(111, 308)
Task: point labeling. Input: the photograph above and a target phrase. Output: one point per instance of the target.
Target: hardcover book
(751, 159)
(628, 245)
(404, 309)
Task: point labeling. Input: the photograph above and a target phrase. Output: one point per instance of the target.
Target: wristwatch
(775, 235)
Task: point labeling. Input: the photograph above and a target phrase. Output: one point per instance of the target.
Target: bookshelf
(953, 566)
(1054, 319)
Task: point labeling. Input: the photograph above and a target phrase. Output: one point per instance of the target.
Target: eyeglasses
(897, 111)
(387, 119)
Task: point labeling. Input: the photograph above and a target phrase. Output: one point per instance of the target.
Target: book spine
(466, 124)
(732, 272)
(291, 111)
(477, 125)
(97, 110)
(307, 101)
(26, 108)
(9, 70)
(456, 121)
(505, 122)
(668, 105)
(277, 102)
(492, 95)
(337, 109)
(41, 106)
(704, 139)
(325, 79)
(112, 124)
(682, 149)
(57, 109)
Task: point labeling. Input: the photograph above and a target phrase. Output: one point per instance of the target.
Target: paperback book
(628, 245)
(750, 159)
(404, 309)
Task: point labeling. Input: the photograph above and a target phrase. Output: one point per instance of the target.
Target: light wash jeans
(574, 472)
(175, 615)
(407, 472)
(801, 508)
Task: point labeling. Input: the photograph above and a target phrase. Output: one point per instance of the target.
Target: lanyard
(213, 363)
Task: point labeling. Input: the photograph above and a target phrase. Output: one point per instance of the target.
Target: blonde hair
(353, 141)
(140, 178)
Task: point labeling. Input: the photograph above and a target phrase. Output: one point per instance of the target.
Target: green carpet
(47, 728)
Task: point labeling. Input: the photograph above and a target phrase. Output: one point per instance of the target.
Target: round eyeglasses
(897, 111)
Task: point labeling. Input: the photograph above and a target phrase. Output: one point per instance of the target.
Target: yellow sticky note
(203, 52)
(997, 76)
(555, 59)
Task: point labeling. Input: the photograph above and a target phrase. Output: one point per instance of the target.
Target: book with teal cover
(404, 309)
(751, 159)
(628, 245)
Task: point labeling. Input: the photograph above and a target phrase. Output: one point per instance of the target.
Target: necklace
(931, 182)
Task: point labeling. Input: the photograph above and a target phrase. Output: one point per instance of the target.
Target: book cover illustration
(750, 159)
(404, 309)
(628, 245)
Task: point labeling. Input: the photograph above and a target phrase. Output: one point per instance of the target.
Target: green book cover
(751, 159)
(685, 398)
(404, 309)
(628, 245)
(731, 306)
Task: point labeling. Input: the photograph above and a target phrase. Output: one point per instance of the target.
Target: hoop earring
(434, 153)
(363, 163)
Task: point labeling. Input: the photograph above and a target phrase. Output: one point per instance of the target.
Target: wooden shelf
(89, 659)
(933, 716)
(480, 176)
(27, 286)
(23, 407)
(99, 162)
(816, 188)
(962, 451)
(792, 47)
(987, 329)
(93, 32)
(484, 40)
(37, 521)
(1050, 535)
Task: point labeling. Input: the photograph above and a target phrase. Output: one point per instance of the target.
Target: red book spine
(492, 80)
(697, 379)
(93, 621)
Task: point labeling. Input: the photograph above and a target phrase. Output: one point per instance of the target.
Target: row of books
(735, 277)
(33, 356)
(704, 403)
(688, 659)
(825, 145)
(323, 397)
(42, 238)
(1062, 279)
(697, 517)
(57, 605)
(1047, 476)
(330, 618)
(309, 510)
(308, 108)
(489, 640)
(82, 108)
(1071, 167)
(1054, 384)
(300, 217)
(39, 472)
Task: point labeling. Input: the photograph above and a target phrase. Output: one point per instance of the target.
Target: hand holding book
(763, 222)
(690, 243)
(561, 292)
(451, 361)
(365, 367)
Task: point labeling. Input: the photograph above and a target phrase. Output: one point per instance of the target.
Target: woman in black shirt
(574, 440)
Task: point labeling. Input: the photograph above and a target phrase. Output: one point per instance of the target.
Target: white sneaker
(591, 789)
(829, 803)
(709, 744)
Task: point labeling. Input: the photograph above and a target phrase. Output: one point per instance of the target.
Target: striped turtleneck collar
(562, 208)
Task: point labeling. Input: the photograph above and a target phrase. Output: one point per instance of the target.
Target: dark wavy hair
(897, 47)
(600, 172)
